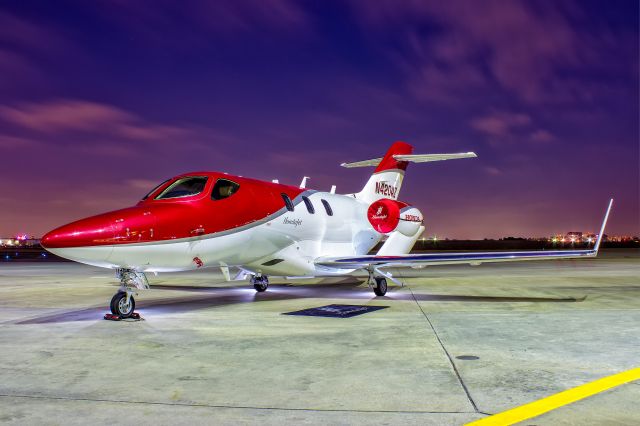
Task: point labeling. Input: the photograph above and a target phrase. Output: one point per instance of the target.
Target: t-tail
(386, 180)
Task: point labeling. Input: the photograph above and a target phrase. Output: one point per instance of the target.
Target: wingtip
(602, 228)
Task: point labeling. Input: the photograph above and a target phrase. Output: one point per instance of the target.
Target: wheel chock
(134, 316)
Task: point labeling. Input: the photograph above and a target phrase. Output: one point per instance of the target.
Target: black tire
(119, 306)
(381, 287)
(260, 284)
(260, 287)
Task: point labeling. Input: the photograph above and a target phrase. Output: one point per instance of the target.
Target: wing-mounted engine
(387, 216)
(400, 221)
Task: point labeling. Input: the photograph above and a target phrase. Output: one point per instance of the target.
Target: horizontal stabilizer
(424, 158)
(364, 163)
(411, 158)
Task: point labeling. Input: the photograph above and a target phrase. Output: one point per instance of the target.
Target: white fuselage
(282, 244)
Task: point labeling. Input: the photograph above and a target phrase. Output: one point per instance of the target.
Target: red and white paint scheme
(253, 228)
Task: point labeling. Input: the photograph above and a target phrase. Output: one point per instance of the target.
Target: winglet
(604, 223)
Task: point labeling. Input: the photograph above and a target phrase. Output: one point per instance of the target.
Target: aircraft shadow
(212, 297)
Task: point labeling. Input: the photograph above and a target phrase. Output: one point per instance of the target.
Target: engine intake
(387, 215)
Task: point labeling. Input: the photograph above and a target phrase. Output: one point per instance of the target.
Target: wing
(473, 258)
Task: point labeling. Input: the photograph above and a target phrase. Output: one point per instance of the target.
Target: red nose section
(121, 226)
(86, 232)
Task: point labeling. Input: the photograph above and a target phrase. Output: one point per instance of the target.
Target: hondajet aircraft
(258, 229)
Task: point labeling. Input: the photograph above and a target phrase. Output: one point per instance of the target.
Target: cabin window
(287, 202)
(307, 202)
(184, 187)
(155, 189)
(327, 207)
(224, 188)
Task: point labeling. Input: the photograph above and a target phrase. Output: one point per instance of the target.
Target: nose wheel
(123, 304)
(260, 283)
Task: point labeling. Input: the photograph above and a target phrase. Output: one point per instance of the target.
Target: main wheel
(119, 305)
(381, 286)
(260, 283)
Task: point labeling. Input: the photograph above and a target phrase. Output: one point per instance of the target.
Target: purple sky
(101, 100)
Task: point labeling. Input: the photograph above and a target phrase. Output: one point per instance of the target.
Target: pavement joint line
(236, 407)
(453, 365)
(560, 399)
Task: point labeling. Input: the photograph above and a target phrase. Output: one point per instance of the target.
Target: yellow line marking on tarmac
(541, 406)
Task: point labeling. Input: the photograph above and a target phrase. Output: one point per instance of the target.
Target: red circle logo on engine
(384, 215)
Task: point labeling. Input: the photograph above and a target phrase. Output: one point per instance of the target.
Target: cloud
(541, 135)
(17, 32)
(15, 142)
(16, 68)
(72, 115)
(445, 84)
(63, 114)
(525, 48)
(141, 184)
(25, 44)
(493, 171)
(500, 124)
(193, 24)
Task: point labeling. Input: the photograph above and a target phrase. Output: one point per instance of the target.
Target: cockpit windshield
(184, 187)
(155, 188)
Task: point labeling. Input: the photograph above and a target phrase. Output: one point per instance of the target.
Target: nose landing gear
(123, 303)
(260, 282)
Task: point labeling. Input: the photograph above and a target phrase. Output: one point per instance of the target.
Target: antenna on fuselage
(303, 184)
(333, 189)
(275, 181)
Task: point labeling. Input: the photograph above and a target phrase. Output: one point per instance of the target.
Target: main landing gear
(380, 287)
(123, 303)
(377, 283)
(260, 282)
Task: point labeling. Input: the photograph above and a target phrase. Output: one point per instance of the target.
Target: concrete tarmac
(454, 345)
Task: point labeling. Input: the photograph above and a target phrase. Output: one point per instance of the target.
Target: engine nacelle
(410, 221)
(387, 215)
